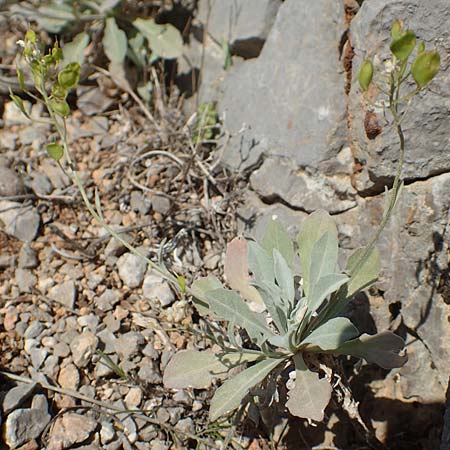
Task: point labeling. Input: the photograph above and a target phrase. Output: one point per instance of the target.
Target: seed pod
(55, 151)
(60, 107)
(403, 46)
(69, 76)
(365, 74)
(425, 67)
(396, 30)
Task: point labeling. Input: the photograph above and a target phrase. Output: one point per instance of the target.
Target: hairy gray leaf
(260, 262)
(74, 51)
(323, 287)
(229, 396)
(382, 349)
(276, 237)
(284, 276)
(271, 296)
(197, 369)
(312, 229)
(310, 395)
(164, 40)
(200, 287)
(229, 306)
(332, 334)
(114, 41)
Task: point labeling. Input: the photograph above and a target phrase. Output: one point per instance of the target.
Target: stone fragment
(27, 257)
(427, 121)
(107, 300)
(107, 433)
(65, 293)
(40, 184)
(445, 441)
(71, 429)
(11, 183)
(53, 172)
(25, 280)
(20, 221)
(305, 124)
(131, 269)
(16, 396)
(161, 204)
(128, 344)
(186, 425)
(38, 356)
(115, 247)
(34, 329)
(156, 287)
(69, 377)
(278, 179)
(139, 202)
(82, 348)
(134, 397)
(23, 425)
(243, 24)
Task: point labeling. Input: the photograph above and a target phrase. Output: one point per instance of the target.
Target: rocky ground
(86, 329)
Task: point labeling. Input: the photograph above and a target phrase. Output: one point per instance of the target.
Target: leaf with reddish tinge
(236, 270)
(310, 395)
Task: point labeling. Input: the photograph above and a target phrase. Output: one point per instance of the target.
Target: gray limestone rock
(11, 183)
(244, 24)
(16, 396)
(107, 300)
(445, 442)
(414, 260)
(20, 221)
(131, 269)
(65, 293)
(128, 344)
(25, 280)
(27, 257)
(290, 102)
(156, 287)
(305, 190)
(427, 125)
(83, 347)
(22, 425)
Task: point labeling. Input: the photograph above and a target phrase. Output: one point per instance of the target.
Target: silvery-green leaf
(284, 276)
(74, 51)
(366, 274)
(332, 334)
(312, 229)
(54, 18)
(164, 40)
(276, 237)
(145, 91)
(323, 287)
(228, 305)
(237, 272)
(197, 369)
(271, 296)
(114, 41)
(382, 349)
(200, 287)
(310, 395)
(324, 255)
(138, 51)
(229, 396)
(260, 262)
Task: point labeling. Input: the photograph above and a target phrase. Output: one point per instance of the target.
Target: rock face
(290, 102)
(427, 125)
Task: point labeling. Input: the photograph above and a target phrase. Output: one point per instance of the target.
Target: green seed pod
(55, 151)
(69, 76)
(404, 45)
(60, 107)
(397, 29)
(59, 92)
(365, 74)
(425, 67)
(21, 79)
